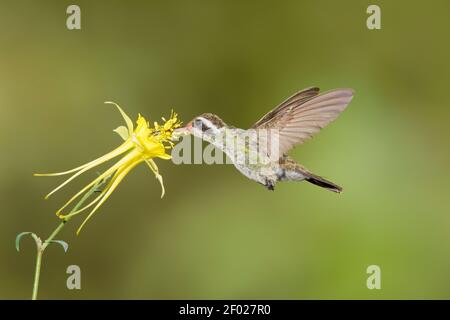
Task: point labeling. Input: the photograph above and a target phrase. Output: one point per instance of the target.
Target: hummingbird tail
(293, 171)
(321, 182)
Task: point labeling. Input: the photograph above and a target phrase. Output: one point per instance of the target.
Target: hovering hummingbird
(295, 120)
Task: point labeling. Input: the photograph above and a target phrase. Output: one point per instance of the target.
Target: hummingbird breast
(264, 170)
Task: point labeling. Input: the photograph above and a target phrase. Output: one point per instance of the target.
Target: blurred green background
(216, 234)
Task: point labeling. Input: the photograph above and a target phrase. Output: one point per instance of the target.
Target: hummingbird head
(206, 125)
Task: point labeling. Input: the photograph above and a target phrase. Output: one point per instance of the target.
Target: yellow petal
(65, 216)
(125, 117)
(123, 148)
(142, 130)
(79, 193)
(152, 165)
(165, 156)
(91, 164)
(118, 177)
(129, 158)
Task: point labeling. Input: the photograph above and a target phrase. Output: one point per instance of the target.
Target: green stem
(42, 246)
(53, 235)
(37, 272)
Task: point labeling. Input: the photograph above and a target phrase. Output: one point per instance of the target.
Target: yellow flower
(141, 144)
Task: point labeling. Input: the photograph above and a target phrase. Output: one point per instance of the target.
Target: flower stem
(42, 246)
(37, 272)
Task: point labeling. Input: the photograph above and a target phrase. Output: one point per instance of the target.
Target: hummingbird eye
(198, 123)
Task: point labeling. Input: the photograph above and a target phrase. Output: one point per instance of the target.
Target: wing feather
(304, 114)
(296, 98)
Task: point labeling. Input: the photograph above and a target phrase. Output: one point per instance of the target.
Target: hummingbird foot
(270, 185)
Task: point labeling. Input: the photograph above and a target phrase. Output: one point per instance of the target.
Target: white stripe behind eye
(207, 123)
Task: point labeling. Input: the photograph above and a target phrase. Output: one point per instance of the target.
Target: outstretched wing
(297, 98)
(304, 114)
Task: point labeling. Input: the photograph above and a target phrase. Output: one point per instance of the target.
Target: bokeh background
(216, 234)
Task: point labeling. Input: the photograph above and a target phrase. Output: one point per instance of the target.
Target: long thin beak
(183, 131)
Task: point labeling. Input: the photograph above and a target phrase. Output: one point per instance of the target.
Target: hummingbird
(295, 120)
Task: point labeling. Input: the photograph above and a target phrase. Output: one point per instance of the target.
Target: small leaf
(64, 244)
(20, 235)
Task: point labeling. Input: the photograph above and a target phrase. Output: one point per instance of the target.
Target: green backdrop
(216, 234)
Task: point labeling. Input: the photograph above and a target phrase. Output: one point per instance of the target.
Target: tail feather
(324, 183)
(294, 171)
